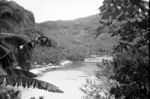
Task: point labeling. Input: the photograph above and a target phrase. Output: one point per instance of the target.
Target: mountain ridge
(77, 34)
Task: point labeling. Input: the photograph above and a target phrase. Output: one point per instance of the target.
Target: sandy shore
(68, 80)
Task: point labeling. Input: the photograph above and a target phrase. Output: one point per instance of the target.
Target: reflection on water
(69, 79)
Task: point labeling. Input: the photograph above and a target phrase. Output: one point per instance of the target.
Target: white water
(68, 79)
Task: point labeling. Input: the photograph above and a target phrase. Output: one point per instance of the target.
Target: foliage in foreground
(20, 77)
(130, 67)
(99, 88)
(15, 50)
(131, 55)
(10, 94)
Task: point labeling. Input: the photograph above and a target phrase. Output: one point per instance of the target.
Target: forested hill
(79, 26)
(79, 34)
(76, 39)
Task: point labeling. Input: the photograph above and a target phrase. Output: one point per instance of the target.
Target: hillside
(78, 35)
(76, 39)
(80, 26)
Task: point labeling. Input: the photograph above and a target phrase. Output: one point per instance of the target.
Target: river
(69, 78)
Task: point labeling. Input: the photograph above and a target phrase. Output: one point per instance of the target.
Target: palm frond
(3, 51)
(15, 39)
(10, 51)
(6, 57)
(21, 48)
(42, 40)
(28, 82)
(19, 72)
(2, 34)
(13, 42)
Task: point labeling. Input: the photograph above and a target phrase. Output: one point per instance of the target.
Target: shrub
(100, 87)
(10, 94)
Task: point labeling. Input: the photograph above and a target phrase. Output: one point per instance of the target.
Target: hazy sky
(60, 9)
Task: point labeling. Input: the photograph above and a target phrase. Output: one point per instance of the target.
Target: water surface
(68, 78)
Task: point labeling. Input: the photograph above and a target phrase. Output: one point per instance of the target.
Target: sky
(46, 10)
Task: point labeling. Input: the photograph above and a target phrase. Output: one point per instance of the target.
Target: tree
(15, 50)
(131, 55)
(18, 77)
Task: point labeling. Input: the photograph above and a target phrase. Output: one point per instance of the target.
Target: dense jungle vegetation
(77, 39)
(127, 76)
(18, 37)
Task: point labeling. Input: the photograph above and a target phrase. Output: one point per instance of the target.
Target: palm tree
(15, 50)
(13, 76)
(22, 48)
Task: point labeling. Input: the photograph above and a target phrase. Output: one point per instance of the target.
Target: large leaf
(19, 72)
(3, 51)
(15, 39)
(21, 47)
(9, 43)
(28, 82)
(21, 39)
(6, 57)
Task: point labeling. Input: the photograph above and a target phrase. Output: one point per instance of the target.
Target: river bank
(68, 78)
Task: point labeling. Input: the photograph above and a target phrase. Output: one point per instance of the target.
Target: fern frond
(28, 82)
